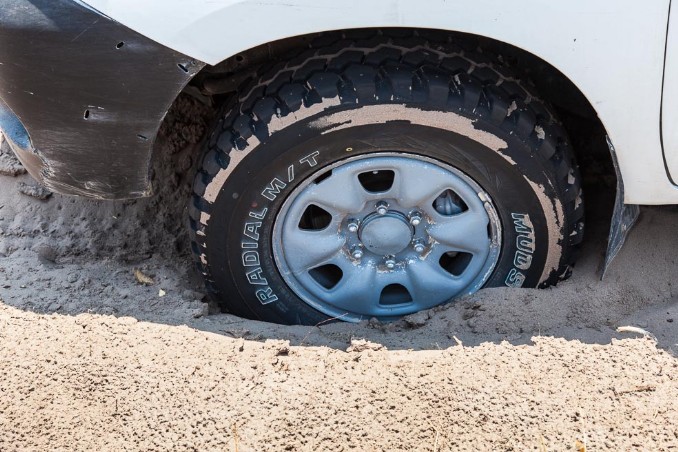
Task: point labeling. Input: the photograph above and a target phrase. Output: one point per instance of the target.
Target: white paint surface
(669, 125)
(613, 50)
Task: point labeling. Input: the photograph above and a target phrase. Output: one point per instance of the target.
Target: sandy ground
(91, 359)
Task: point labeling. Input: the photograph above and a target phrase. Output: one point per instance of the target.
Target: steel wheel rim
(389, 252)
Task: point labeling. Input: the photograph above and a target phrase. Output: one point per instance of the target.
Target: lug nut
(356, 252)
(390, 262)
(418, 246)
(352, 225)
(382, 207)
(415, 218)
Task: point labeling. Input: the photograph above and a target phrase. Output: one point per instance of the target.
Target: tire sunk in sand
(379, 177)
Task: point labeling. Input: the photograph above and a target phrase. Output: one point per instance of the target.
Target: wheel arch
(576, 111)
(590, 43)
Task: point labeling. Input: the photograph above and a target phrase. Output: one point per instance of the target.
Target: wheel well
(217, 83)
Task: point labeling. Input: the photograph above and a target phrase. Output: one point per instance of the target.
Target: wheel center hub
(386, 234)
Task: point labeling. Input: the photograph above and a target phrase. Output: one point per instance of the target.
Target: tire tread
(395, 66)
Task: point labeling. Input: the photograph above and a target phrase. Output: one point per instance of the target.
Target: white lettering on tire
(525, 246)
(250, 257)
(251, 260)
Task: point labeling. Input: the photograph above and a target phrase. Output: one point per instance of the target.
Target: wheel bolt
(356, 252)
(418, 246)
(390, 262)
(352, 225)
(415, 218)
(382, 207)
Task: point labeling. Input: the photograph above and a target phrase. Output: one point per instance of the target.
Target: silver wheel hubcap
(389, 233)
(385, 235)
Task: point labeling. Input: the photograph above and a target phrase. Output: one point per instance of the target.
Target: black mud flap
(624, 217)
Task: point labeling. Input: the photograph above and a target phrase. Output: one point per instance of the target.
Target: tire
(408, 103)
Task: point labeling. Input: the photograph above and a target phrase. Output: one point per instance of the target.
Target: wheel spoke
(358, 290)
(420, 184)
(428, 280)
(309, 249)
(464, 232)
(339, 193)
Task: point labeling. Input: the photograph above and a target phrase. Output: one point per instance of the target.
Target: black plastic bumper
(82, 96)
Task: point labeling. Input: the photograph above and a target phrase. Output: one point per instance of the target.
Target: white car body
(612, 50)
